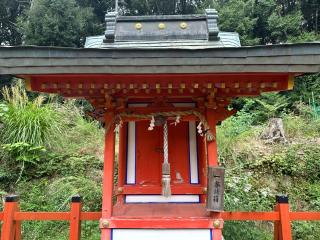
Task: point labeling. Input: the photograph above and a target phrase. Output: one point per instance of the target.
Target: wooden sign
(215, 194)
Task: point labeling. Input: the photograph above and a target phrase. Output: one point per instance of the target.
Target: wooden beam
(176, 189)
(161, 223)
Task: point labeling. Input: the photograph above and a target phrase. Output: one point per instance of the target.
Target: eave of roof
(289, 58)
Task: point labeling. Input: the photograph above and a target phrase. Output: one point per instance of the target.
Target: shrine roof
(288, 58)
(163, 31)
(226, 39)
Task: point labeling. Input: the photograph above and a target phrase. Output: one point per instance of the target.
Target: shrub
(28, 121)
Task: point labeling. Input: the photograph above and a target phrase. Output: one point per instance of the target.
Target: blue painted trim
(111, 234)
(135, 153)
(210, 231)
(188, 131)
(197, 154)
(135, 162)
(127, 145)
(198, 161)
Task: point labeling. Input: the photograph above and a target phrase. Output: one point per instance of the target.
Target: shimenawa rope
(208, 133)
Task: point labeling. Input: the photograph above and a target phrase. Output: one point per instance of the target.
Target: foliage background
(49, 149)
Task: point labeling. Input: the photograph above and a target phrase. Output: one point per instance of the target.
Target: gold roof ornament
(183, 25)
(162, 26)
(138, 26)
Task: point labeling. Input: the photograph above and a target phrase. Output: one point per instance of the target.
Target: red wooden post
(276, 226)
(217, 227)
(212, 151)
(284, 227)
(203, 167)
(108, 173)
(212, 156)
(122, 161)
(10, 228)
(75, 222)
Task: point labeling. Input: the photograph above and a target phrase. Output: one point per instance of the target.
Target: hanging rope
(207, 132)
(166, 179)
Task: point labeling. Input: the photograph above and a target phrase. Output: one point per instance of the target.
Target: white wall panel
(131, 153)
(161, 234)
(162, 199)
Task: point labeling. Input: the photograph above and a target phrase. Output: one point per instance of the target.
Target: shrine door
(145, 158)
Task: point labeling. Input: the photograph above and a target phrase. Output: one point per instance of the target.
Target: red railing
(11, 218)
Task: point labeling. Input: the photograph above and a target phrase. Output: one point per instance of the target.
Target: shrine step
(161, 234)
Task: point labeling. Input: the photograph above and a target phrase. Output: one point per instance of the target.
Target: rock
(274, 132)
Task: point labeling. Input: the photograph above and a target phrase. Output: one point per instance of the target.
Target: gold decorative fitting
(216, 224)
(131, 86)
(262, 85)
(80, 85)
(161, 26)
(249, 85)
(157, 85)
(183, 25)
(274, 85)
(170, 85)
(118, 86)
(43, 86)
(92, 86)
(144, 86)
(236, 85)
(204, 190)
(138, 26)
(183, 85)
(120, 190)
(223, 85)
(196, 85)
(67, 85)
(105, 223)
(55, 85)
(209, 85)
(105, 86)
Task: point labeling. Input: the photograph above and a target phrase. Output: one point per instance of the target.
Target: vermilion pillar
(212, 150)
(75, 222)
(11, 229)
(282, 228)
(212, 156)
(122, 161)
(108, 173)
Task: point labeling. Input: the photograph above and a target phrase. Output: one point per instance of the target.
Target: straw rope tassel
(166, 189)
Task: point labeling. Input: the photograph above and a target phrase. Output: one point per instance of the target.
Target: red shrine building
(164, 82)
